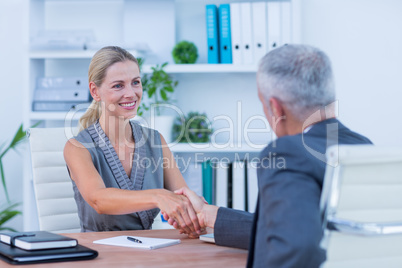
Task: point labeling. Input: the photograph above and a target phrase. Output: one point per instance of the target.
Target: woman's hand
(198, 203)
(179, 209)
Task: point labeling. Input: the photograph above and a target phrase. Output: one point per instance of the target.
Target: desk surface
(189, 253)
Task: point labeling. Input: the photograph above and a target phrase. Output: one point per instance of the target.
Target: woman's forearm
(115, 201)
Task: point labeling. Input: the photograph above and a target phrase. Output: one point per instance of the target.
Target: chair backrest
(361, 206)
(57, 210)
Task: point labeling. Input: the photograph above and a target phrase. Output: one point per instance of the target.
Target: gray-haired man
(296, 89)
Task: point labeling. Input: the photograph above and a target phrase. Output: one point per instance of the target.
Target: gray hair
(298, 75)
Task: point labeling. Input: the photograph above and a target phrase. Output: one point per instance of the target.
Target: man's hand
(179, 209)
(206, 213)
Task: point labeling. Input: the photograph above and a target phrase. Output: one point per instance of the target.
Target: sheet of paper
(147, 242)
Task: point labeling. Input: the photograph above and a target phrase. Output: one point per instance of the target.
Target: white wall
(11, 64)
(363, 39)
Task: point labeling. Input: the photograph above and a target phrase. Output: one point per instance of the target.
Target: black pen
(132, 239)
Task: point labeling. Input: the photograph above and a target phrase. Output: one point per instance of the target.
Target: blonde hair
(101, 61)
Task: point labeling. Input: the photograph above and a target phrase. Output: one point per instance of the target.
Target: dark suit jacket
(286, 230)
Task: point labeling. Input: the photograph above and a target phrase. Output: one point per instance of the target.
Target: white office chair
(361, 206)
(57, 210)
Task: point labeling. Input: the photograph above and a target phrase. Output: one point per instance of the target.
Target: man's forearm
(233, 228)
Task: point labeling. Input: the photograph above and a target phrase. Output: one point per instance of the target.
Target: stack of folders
(242, 33)
(41, 247)
(61, 94)
(232, 185)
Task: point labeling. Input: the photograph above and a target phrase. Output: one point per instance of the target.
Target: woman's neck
(117, 129)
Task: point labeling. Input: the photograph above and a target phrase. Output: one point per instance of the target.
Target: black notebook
(15, 255)
(37, 240)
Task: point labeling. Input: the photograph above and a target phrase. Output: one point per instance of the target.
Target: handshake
(193, 215)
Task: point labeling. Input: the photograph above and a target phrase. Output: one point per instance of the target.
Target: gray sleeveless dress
(146, 173)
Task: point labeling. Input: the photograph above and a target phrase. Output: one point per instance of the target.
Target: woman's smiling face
(121, 90)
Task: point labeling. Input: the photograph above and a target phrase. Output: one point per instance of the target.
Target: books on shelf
(208, 181)
(212, 33)
(274, 24)
(192, 173)
(246, 33)
(221, 184)
(252, 186)
(253, 28)
(60, 93)
(233, 185)
(235, 27)
(58, 106)
(259, 22)
(286, 23)
(225, 39)
(239, 185)
(37, 240)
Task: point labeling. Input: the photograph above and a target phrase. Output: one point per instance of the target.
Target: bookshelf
(226, 92)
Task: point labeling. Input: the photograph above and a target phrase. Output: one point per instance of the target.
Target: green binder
(207, 181)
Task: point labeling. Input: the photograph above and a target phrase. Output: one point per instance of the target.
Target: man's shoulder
(286, 144)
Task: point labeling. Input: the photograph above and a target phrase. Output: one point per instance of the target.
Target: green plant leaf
(35, 125)
(8, 213)
(18, 137)
(164, 95)
(1, 147)
(3, 180)
(169, 89)
(7, 229)
(157, 86)
(151, 91)
(140, 63)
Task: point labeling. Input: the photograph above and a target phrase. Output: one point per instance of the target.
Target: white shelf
(208, 148)
(170, 68)
(55, 115)
(205, 68)
(66, 54)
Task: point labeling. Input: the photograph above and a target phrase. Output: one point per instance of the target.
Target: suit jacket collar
(320, 128)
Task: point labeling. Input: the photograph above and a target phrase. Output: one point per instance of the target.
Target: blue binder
(212, 33)
(225, 39)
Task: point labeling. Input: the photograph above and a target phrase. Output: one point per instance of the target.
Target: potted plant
(185, 52)
(158, 88)
(8, 211)
(193, 128)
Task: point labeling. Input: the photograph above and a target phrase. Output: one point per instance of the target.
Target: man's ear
(276, 108)
(94, 90)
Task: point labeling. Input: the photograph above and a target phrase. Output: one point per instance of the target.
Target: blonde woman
(122, 173)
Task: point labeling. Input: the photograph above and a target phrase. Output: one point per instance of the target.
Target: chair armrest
(363, 228)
